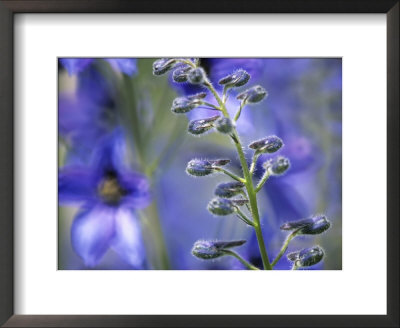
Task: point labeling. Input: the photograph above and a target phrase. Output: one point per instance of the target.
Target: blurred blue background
(303, 108)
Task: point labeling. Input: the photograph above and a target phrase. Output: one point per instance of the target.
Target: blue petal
(92, 232)
(75, 184)
(75, 65)
(137, 188)
(123, 65)
(128, 242)
(109, 154)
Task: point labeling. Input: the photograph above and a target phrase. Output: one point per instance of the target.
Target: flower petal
(109, 153)
(128, 242)
(91, 233)
(124, 65)
(75, 65)
(137, 189)
(75, 184)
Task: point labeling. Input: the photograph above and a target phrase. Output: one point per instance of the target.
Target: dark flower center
(110, 190)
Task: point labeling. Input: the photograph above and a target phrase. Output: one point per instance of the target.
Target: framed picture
(172, 164)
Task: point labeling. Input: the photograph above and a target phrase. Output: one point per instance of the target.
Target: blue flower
(77, 65)
(87, 114)
(107, 193)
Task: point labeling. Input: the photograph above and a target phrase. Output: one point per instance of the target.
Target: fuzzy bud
(307, 257)
(312, 226)
(229, 189)
(183, 105)
(277, 166)
(236, 79)
(197, 76)
(163, 65)
(224, 125)
(207, 249)
(268, 145)
(181, 74)
(200, 168)
(253, 95)
(222, 206)
(201, 126)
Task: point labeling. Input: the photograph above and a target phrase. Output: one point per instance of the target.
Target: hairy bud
(183, 105)
(223, 206)
(307, 257)
(200, 167)
(253, 95)
(163, 65)
(312, 226)
(181, 74)
(236, 79)
(207, 249)
(268, 145)
(201, 126)
(224, 125)
(277, 166)
(229, 189)
(197, 76)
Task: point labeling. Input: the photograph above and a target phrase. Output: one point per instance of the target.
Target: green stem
(239, 111)
(262, 181)
(230, 174)
(254, 162)
(152, 210)
(248, 183)
(244, 218)
(241, 259)
(284, 247)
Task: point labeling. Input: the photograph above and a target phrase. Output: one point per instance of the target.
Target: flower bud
(163, 65)
(181, 74)
(224, 125)
(197, 76)
(200, 167)
(307, 257)
(236, 79)
(277, 166)
(219, 162)
(229, 189)
(207, 249)
(312, 226)
(253, 95)
(201, 126)
(268, 145)
(183, 105)
(221, 206)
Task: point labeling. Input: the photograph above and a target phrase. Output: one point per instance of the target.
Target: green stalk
(284, 247)
(248, 183)
(241, 259)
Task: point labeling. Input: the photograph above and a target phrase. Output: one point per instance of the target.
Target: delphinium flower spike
(189, 70)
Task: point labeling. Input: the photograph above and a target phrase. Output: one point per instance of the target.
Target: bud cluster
(185, 70)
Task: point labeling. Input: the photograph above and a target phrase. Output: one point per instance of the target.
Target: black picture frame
(10, 7)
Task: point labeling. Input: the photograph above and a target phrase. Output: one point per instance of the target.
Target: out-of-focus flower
(77, 65)
(87, 114)
(107, 193)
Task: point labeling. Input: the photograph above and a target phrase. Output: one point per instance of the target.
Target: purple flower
(107, 193)
(78, 65)
(87, 115)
